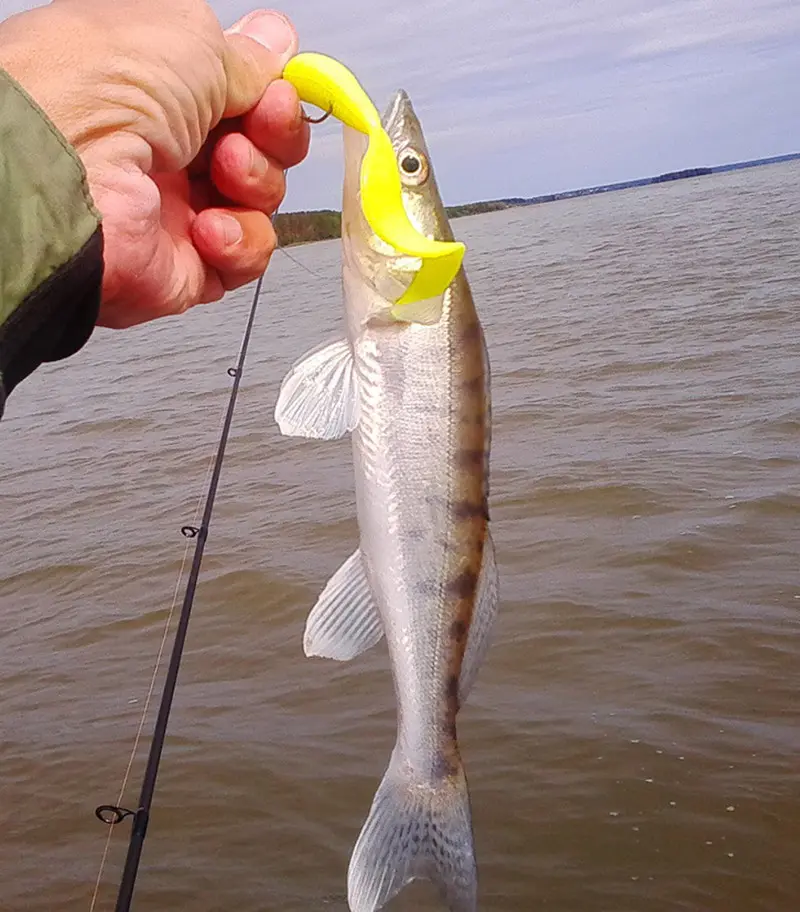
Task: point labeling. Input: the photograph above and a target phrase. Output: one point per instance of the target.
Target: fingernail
(231, 229)
(258, 164)
(270, 28)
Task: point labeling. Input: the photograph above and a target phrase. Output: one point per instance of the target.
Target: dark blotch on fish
(469, 509)
(463, 585)
(452, 687)
(443, 763)
(474, 385)
(468, 458)
(471, 332)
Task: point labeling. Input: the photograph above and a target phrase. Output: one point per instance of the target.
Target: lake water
(633, 742)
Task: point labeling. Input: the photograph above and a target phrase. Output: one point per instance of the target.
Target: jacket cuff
(51, 242)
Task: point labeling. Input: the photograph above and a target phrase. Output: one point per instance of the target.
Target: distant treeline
(323, 224)
(477, 208)
(302, 227)
(622, 185)
(645, 181)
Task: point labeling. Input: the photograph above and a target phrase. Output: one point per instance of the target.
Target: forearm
(51, 245)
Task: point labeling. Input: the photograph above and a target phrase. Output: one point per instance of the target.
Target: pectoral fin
(345, 620)
(319, 396)
(480, 631)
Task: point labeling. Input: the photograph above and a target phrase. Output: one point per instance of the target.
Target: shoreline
(306, 227)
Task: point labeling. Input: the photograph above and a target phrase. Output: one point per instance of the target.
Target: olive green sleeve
(51, 243)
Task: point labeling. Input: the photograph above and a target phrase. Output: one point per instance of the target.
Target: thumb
(258, 47)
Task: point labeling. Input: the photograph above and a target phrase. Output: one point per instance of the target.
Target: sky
(524, 97)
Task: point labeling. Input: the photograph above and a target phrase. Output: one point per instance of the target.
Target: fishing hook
(316, 120)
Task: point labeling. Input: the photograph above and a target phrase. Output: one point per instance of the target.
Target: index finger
(276, 126)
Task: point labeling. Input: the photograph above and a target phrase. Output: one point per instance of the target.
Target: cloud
(528, 96)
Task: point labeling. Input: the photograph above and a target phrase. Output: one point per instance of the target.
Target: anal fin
(345, 621)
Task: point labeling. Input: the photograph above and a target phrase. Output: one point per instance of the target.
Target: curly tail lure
(326, 83)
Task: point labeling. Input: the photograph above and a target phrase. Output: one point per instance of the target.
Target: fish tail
(416, 828)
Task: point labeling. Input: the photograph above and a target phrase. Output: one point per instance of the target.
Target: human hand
(184, 131)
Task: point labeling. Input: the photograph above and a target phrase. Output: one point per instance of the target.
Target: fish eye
(413, 167)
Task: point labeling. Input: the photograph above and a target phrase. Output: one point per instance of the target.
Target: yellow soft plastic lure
(326, 83)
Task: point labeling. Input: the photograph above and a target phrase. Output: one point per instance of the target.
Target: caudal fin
(415, 829)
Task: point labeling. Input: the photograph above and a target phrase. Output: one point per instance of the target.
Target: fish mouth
(399, 105)
(400, 121)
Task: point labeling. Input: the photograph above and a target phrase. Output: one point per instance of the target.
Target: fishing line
(114, 814)
(301, 265)
(151, 690)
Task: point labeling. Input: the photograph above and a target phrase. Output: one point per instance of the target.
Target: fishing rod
(112, 814)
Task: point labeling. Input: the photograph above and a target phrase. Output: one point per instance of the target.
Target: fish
(411, 384)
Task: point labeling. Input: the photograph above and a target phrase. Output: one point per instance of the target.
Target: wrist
(51, 260)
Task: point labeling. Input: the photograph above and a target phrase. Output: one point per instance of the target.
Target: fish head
(421, 198)
(375, 273)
